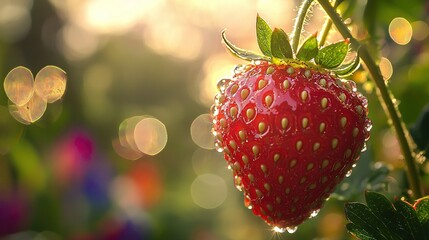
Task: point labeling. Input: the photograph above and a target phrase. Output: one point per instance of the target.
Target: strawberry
(290, 128)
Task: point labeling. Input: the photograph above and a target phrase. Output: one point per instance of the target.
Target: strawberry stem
(299, 23)
(327, 26)
(385, 97)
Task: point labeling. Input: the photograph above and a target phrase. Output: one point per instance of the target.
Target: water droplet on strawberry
(248, 203)
(368, 126)
(363, 148)
(223, 84)
(314, 213)
(291, 229)
(351, 86)
(349, 173)
(218, 147)
(214, 111)
(279, 230)
(239, 69)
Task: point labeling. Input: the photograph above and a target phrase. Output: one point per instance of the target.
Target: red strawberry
(290, 131)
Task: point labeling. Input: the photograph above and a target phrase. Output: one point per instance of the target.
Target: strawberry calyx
(276, 48)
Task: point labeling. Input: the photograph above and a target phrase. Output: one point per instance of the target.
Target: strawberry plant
(291, 128)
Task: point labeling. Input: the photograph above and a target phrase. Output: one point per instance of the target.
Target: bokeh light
(208, 199)
(400, 30)
(143, 134)
(15, 20)
(390, 152)
(386, 68)
(77, 43)
(19, 85)
(150, 135)
(125, 152)
(215, 68)
(126, 132)
(124, 192)
(50, 83)
(28, 98)
(30, 112)
(113, 16)
(201, 131)
(420, 30)
(331, 225)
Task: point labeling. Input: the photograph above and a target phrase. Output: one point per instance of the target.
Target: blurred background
(127, 152)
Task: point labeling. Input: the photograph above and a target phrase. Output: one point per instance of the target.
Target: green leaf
(422, 209)
(242, 53)
(348, 69)
(280, 46)
(409, 216)
(309, 49)
(360, 233)
(381, 219)
(364, 218)
(385, 211)
(332, 55)
(263, 34)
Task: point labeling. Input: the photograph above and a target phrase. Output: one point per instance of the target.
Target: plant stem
(299, 23)
(385, 97)
(325, 30)
(327, 27)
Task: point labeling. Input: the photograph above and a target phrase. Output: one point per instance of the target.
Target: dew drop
(368, 126)
(218, 147)
(238, 69)
(291, 229)
(363, 148)
(314, 213)
(223, 84)
(219, 98)
(352, 86)
(214, 111)
(349, 173)
(279, 229)
(354, 165)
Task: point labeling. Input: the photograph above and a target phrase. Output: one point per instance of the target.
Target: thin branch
(385, 97)
(299, 23)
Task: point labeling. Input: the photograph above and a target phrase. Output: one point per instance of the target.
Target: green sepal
(242, 53)
(349, 68)
(309, 49)
(332, 55)
(280, 46)
(263, 34)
